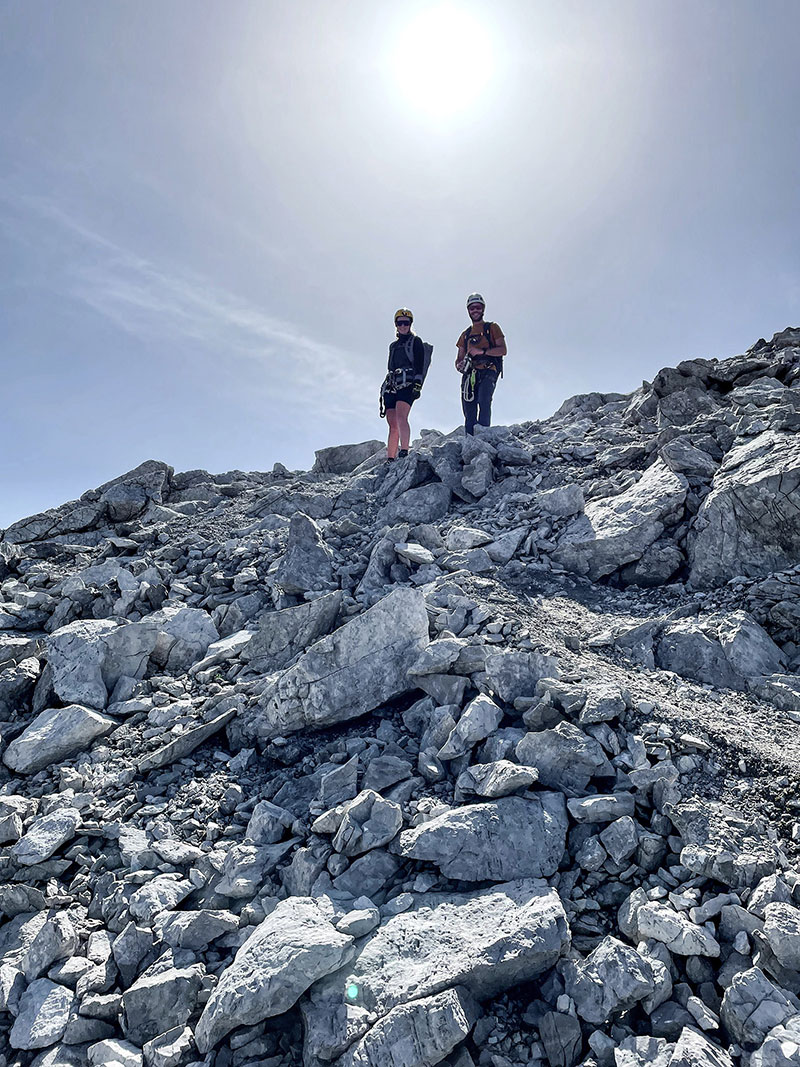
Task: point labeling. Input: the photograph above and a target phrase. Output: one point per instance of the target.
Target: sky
(209, 213)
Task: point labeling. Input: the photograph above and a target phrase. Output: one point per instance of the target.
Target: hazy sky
(209, 212)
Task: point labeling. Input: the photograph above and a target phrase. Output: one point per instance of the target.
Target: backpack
(409, 354)
(487, 333)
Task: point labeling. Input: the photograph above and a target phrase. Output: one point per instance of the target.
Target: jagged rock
(782, 930)
(173, 1048)
(610, 980)
(565, 757)
(720, 844)
(486, 941)
(496, 779)
(352, 671)
(54, 735)
(307, 563)
(289, 951)
(515, 674)
(693, 1049)
(341, 459)
(30, 944)
(510, 838)
(753, 1005)
(675, 930)
(419, 1034)
(44, 1010)
(426, 503)
(157, 1002)
(114, 1053)
(369, 821)
(45, 836)
(480, 718)
(781, 1046)
(749, 523)
(563, 501)
(194, 930)
(725, 650)
(616, 530)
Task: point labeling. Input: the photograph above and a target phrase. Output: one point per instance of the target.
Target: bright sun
(443, 60)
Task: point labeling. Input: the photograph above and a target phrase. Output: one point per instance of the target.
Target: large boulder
(723, 649)
(346, 674)
(425, 503)
(617, 530)
(282, 635)
(289, 951)
(749, 523)
(610, 980)
(308, 562)
(513, 837)
(341, 459)
(54, 735)
(719, 843)
(486, 941)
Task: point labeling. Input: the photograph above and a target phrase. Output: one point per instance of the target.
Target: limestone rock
(610, 980)
(307, 563)
(54, 735)
(282, 635)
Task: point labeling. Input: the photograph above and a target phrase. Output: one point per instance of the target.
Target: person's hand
(416, 389)
(460, 364)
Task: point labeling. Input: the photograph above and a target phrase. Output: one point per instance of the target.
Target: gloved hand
(416, 390)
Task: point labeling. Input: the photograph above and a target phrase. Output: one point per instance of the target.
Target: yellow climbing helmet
(403, 313)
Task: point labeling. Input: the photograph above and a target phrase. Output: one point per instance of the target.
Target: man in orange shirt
(481, 348)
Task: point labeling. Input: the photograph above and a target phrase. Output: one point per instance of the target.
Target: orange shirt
(475, 334)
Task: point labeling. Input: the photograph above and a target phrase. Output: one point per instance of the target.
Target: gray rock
(291, 949)
(610, 980)
(45, 836)
(693, 1049)
(194, 930)
(515, 674)
(155, 1003)
(419, 1034)
(565, 757)
(173, 1048)
(177, 635)
(426, 503)
(601, 808)
(720, 844)
(562, 502)
(162, 893)
(510, 838)
(44, 1010)
(479, 720)
(386, 771)
(31, 944)
(54, 735)
(352, 671)
(753, 1005)
(617, 530)
(620, 839)
(723, 649)
(781, 1046)
(748, 524)
(368, 875)
(369, 821)
(676, 930)
(782, 931)
(341, 459)
(496, 779)
(114, 1053)
(75, 654)
(487, 941)
(308, 562)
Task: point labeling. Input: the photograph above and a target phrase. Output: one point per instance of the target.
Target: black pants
(479, 409)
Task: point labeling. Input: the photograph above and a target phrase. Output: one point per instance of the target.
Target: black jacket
(407, 353)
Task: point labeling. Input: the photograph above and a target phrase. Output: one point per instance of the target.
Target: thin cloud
(150, 302)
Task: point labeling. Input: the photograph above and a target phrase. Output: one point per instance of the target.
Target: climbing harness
(394, 382)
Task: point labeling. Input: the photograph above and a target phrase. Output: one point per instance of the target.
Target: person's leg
(470, 409)
(391, 444)
(484, 391)
(403, 428)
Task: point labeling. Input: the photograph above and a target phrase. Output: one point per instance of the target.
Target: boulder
(31, 944)
(721, 844)
(308, 562)
(486, 941)
(425, 503)
(346, 674)
(418, 1034)
(283, 635)
(45, 836)
(749, 523)
(617, 530)
(565, 757)
(42, 1017)
(753, 1005)
(54, 735)
(369, 821)
(157, 1002)
(611, 979)
(515, 674)
(513, 837)
(341, 459)
(291, 949)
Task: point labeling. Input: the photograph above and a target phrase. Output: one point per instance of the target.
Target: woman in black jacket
(403, 383)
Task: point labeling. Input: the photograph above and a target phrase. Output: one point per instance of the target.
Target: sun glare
(443, 60)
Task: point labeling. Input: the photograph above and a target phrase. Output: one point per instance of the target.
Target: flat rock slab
(617, 530)
(720, 844)
(186, 743)
(350, 672)
(487, 942)
(282, 635)
(417, 1034)
(750, 521)
(55, 734)
(45, 836)
(289, 951)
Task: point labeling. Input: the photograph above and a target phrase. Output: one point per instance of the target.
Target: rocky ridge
(487, 756)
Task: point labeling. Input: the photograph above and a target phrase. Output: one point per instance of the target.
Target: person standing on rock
(481, 348)
(403, 383)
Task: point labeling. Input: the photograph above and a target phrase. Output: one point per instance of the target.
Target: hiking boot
(403, 453)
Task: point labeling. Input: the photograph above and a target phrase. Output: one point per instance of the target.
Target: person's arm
(498, 347)
(461, 358)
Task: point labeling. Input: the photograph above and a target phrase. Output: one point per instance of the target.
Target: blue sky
(209, 213)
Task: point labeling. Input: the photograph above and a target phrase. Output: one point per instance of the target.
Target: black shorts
(405, 395)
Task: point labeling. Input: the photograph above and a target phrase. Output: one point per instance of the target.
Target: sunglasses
(402, 322)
